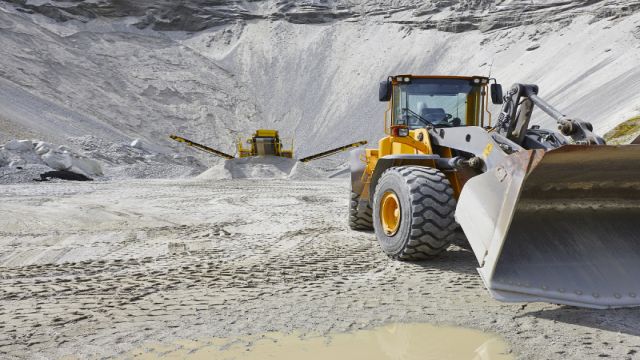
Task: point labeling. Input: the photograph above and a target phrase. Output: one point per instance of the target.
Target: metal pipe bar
(333, 151)
(545, 106)
(201, 147)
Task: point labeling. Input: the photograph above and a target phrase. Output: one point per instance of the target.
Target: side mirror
(384, 93)
(496, 94)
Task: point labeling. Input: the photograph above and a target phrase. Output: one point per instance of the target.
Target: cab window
(436, 102)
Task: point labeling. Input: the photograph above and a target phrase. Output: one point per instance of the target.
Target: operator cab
(435, 101)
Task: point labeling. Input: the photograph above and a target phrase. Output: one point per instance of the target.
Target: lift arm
(201, 147)
(333, 151)
(514, 118)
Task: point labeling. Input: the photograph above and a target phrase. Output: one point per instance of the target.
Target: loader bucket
(561, 226)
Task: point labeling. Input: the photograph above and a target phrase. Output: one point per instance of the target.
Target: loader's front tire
(359, 213)
(413, 212)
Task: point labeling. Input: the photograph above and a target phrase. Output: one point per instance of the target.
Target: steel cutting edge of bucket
(561, 226)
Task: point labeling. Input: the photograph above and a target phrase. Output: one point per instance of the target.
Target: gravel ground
(97, 269)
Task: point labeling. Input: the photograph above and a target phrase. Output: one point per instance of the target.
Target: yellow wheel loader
(551, 215)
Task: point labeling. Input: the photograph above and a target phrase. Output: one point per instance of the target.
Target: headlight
(403, 132)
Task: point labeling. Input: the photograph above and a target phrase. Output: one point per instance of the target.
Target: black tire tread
(360, 213)
(433, 226)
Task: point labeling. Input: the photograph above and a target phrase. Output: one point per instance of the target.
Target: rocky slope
(214, 71)
(444, 15)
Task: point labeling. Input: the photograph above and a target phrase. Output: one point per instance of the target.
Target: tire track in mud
(268, 264)
(294, 259)
(239, 266)
(133, 291)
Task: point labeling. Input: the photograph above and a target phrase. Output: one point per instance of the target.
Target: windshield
(439, 102)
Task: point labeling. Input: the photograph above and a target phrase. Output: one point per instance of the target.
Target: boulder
(85, 166)
(19, 145)
(43, 147)
(57, 160)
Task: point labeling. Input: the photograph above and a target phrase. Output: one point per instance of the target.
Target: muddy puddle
(395, 341)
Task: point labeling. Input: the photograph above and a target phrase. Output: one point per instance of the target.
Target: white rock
(57, 160)
(43, 148)
(137, 143)
(17, 163)
(85, 166)
(19, 145)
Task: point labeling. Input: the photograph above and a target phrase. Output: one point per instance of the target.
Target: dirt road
(97, 269)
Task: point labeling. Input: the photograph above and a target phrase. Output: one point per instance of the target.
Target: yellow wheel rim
(390, 213)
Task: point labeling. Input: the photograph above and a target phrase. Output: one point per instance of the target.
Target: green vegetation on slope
(625, 132)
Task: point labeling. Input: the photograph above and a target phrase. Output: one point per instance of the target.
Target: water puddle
(395, 341)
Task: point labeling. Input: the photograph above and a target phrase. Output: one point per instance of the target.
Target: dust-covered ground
(97, 269)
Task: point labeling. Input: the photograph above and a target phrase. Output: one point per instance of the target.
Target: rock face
(214, 71)
(444, 15)
(19, 153)
(92, 157)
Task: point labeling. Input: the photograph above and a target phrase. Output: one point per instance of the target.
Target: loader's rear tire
(413, 212)
(359, 213)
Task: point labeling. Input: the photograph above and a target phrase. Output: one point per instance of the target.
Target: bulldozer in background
(550, 215)
(265, 143)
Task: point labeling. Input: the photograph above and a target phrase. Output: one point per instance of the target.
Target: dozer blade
(561, 226)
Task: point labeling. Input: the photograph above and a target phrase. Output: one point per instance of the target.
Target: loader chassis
(549, 214)
(424, 145)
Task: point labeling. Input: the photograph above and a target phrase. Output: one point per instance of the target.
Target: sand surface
(103, 268)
